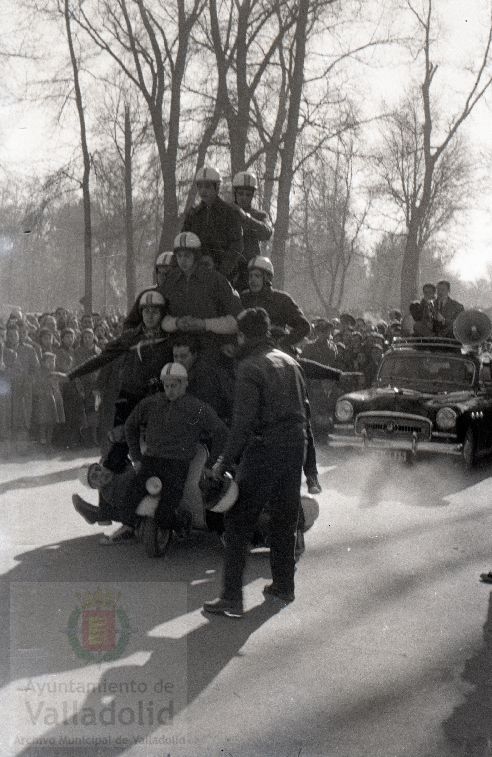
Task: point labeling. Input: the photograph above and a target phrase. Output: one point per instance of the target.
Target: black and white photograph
(246, 378)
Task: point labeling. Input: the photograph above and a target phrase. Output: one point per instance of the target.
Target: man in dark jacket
(207, 379)
(216, 224)
(145, 349)
(164, 265)
(256, 224)
(287, 319)
(447, 310)
(268, 435)
(289, 327)
(199, 301)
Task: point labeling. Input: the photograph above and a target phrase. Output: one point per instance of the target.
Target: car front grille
(392, 425)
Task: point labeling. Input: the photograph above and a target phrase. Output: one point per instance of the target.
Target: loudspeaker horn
(472, 327)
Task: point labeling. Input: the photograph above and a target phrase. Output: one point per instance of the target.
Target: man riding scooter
(174, 422)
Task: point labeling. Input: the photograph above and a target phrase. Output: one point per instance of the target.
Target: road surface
(386, 652)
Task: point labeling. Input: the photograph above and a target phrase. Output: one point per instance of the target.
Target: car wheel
(469, 449)
(156, 540)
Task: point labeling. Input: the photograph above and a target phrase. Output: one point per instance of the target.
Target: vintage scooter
(204, 502)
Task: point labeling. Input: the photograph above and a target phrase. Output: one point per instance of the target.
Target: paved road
(387, 650)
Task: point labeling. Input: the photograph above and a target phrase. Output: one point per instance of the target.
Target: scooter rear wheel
(156, 540)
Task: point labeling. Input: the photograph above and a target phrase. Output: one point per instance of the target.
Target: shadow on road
(469, 729)
(208, 647)
(43, 479)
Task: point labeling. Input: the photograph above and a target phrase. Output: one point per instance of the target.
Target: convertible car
(431, 395)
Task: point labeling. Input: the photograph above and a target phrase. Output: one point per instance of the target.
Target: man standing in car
(268, 435)
(447, 310)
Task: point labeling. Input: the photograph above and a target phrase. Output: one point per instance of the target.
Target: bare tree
(325, 222)
(151, 45)
(245, 36)
(401, 166)
(429, 154)
(86, 194)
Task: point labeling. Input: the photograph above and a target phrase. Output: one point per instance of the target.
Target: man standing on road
(289, 325)
(268, 434)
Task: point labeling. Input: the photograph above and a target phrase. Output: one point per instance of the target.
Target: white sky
(26, 129)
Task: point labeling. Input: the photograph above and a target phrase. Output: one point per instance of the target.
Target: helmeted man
(256, 223)
(288, 327)
(289, 324)
(145, 350)
(163, 266)
(200, 301)
(174, 423)
(216, 224)
(268, 436)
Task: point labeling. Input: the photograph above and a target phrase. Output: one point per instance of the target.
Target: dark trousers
(267, 473)
(172, 474)
(310, 467)
(116, 458)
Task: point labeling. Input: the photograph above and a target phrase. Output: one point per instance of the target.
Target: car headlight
(344, 411)
(446, 418)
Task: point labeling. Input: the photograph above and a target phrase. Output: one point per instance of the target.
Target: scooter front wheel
(156, 540)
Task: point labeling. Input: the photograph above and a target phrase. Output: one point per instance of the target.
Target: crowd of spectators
(37, 404)
(356, 344)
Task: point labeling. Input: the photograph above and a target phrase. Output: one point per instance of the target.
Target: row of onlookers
(36, 403)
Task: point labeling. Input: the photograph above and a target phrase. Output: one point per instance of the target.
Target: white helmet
(244, 179)
(208, 174)
(262, 264)
(151, 297)
(164, 259)
(175, 370)
(187, 240)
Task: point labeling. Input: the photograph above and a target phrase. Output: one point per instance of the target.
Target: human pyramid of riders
(224, 382)
(225, 362)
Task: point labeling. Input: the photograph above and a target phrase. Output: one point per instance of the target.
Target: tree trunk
(288, 150)
(410, 268)
(87, 299)
(131, 276)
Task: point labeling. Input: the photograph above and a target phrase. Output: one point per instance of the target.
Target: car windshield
(439, 372)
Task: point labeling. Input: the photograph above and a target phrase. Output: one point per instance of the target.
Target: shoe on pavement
(271, 590)
(90, 513)
(313, 485)
(486, 578)
(122, 535)
(227, 607)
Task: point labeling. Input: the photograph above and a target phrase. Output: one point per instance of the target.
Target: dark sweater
(283, 312)
(173, 429)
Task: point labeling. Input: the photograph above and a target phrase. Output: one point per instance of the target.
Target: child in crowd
(47, 399)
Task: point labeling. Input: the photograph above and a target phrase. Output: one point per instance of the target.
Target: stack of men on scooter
(181, 334)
